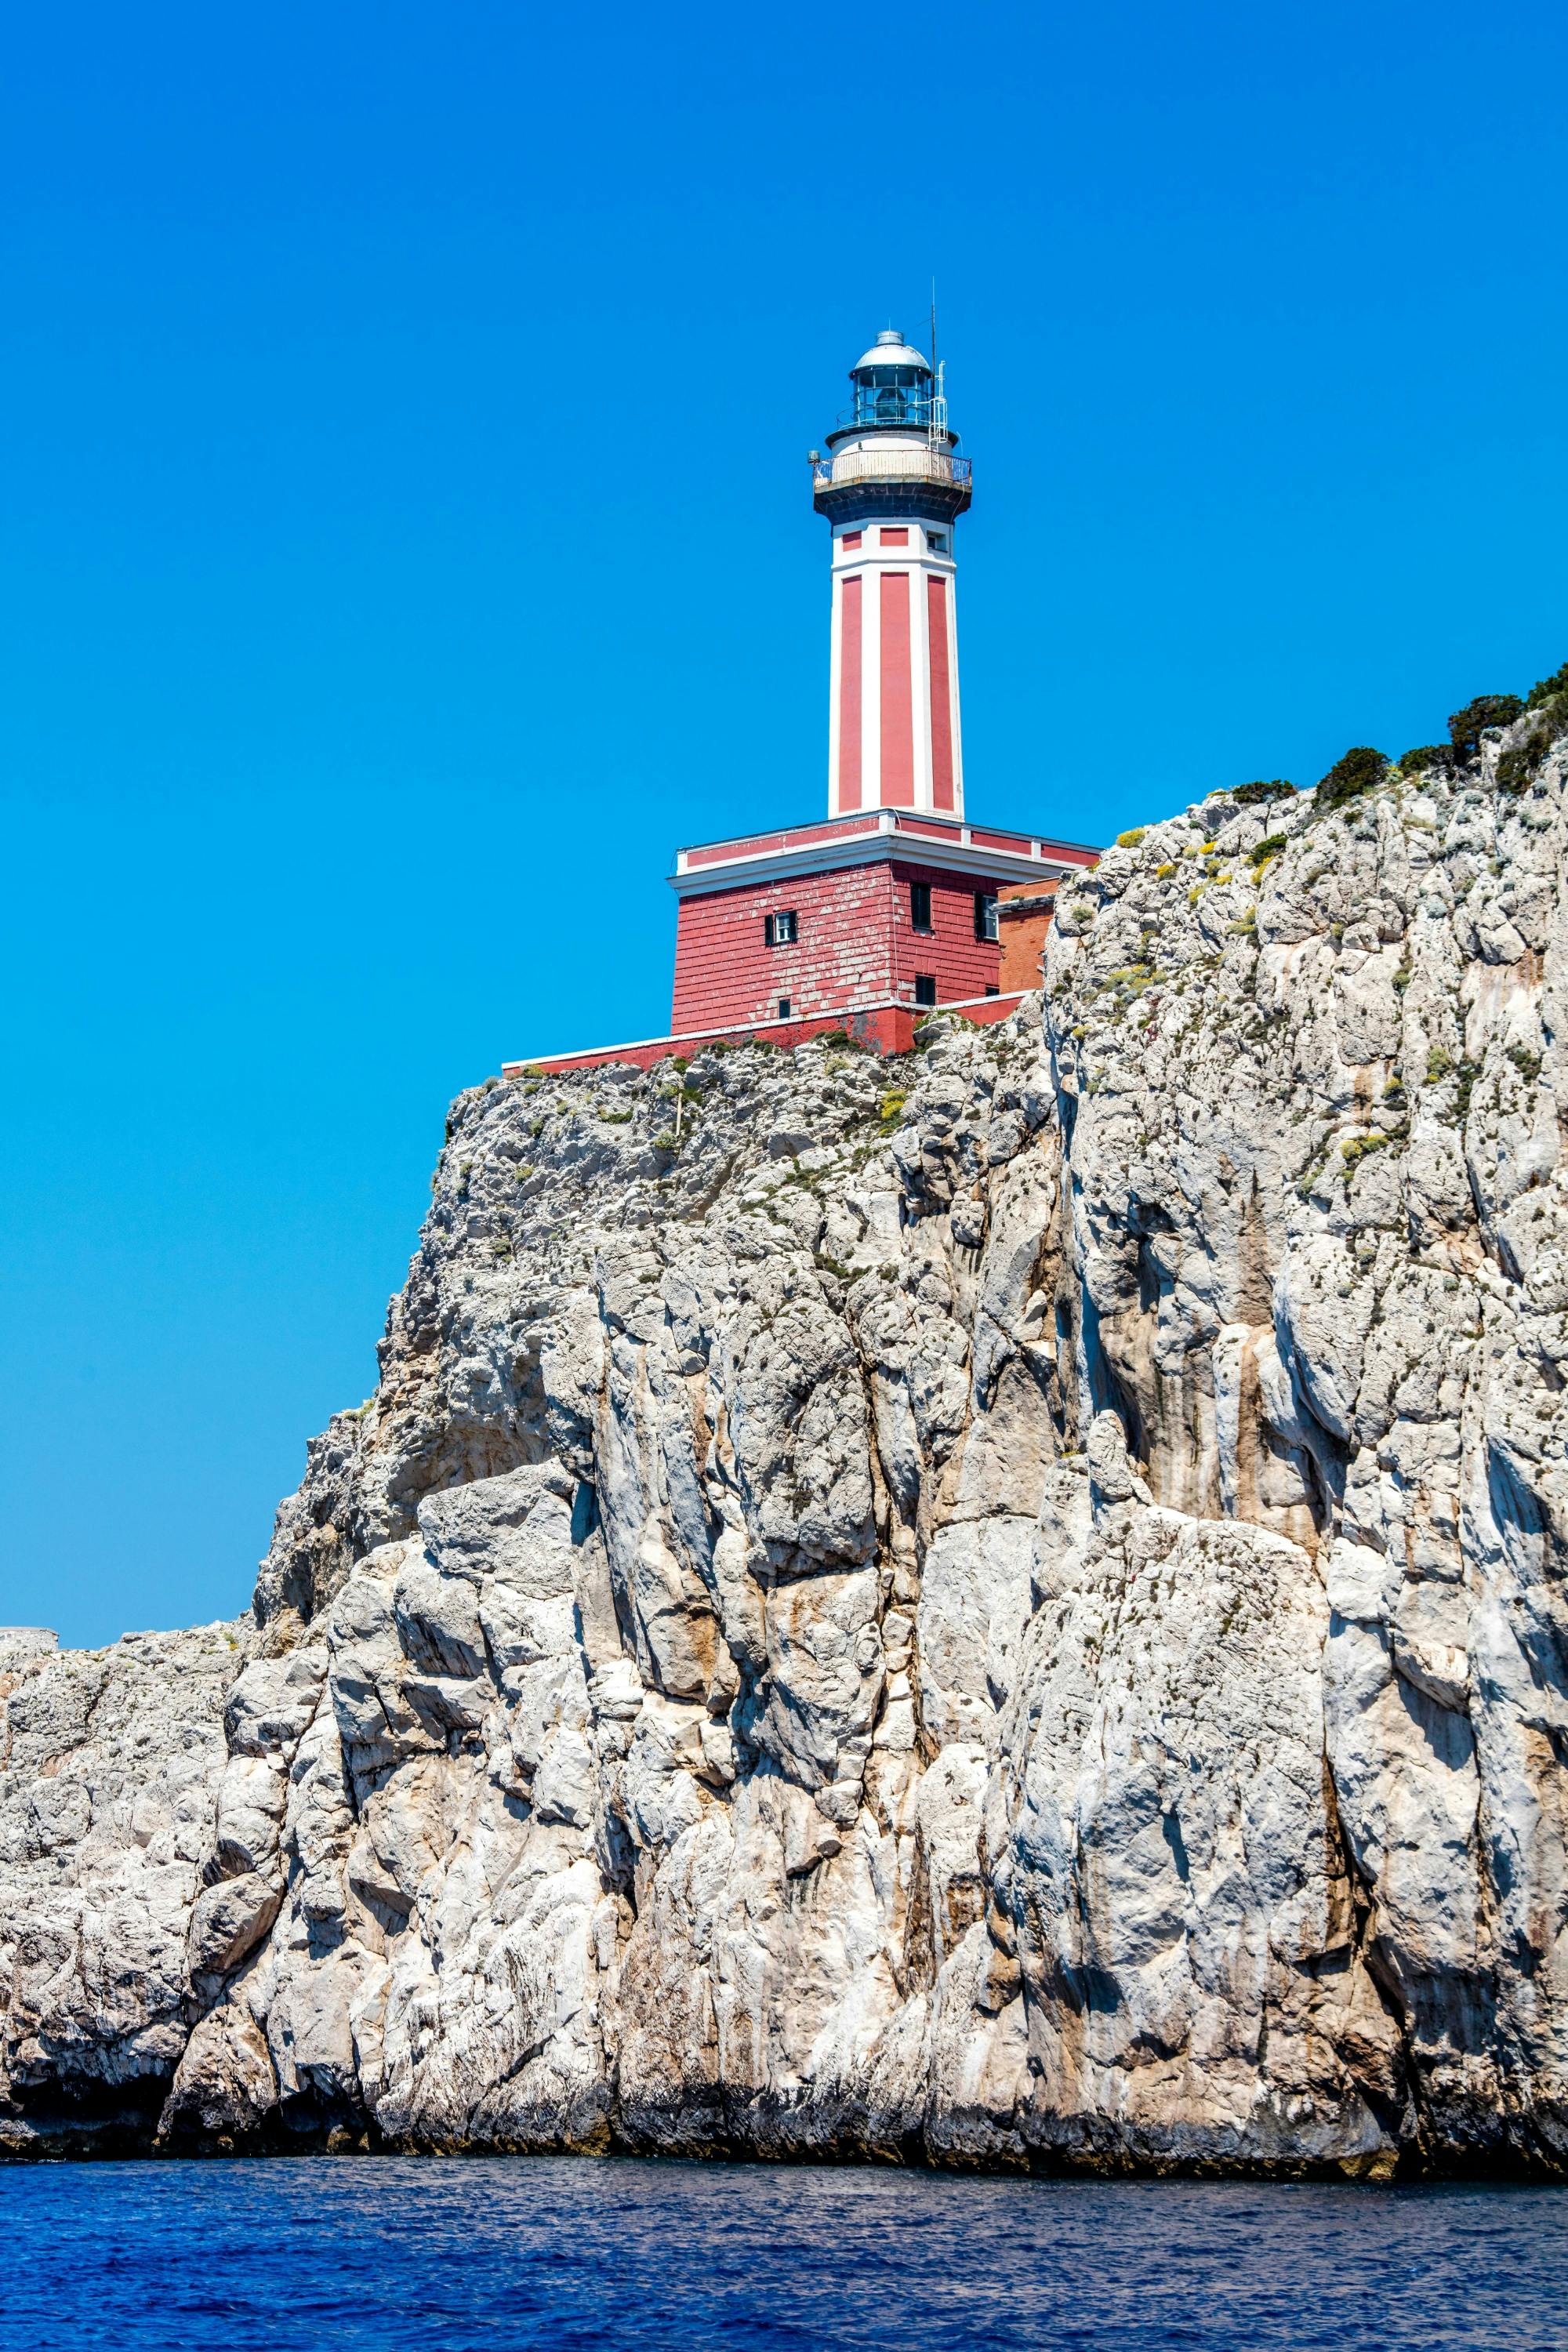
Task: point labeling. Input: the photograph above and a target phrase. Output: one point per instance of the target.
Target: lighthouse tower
(894, 902)
(892, 487)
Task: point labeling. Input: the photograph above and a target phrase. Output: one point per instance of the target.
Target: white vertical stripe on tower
(871, 686)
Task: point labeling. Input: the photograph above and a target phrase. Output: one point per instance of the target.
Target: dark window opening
(986, 914)
(781, 930)
(925, 988)
(992, 992)
(919, 905)
(783, 1008)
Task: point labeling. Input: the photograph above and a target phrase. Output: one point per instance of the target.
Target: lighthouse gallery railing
(903, 465)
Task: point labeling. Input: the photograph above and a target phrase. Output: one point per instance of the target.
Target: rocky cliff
(1005, 1606)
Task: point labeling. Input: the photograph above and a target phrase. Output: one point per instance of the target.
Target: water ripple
(374, 2254)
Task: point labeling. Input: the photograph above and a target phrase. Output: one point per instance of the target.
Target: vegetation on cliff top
(1362, 767)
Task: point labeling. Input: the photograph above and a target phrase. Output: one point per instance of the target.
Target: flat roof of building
(867, 833)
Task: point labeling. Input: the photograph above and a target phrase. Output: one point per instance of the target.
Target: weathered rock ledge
(1003, 1608)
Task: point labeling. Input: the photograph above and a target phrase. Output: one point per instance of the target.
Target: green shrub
(891, 1108)
(1467, 727)
(1130, 839)
(1516, 769)
(1426, 757)
(1245, 795)
(1546, 688)
(1358, 771)
(1271, 846)
(1520, 766)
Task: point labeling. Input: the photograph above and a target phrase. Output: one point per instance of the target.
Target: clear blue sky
(406, 543)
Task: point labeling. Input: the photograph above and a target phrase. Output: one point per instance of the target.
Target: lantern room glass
(892, 395)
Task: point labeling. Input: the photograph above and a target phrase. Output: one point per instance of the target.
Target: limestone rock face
(1006, 1605)
(110, 1763)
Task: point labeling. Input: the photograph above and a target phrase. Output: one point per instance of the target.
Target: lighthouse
(895, 902)
(892, 485)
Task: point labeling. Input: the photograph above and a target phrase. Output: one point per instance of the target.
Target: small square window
(936, 540)
(783, 1008)
(992, 991)
(851, 539)
(781, 930)
(888, 538)
(925, 988)
(986, 915)
(919, 905)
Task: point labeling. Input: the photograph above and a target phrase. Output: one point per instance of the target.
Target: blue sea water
(373, 2254)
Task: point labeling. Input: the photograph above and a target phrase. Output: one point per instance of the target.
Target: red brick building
(887, 906)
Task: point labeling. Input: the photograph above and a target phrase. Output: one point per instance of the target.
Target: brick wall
(726, 973)
(856, 941)
(1024, 919)
(963, 965)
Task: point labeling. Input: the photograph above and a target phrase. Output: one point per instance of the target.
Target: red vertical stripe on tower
(941, 694)
(849, 643)
(898, 717)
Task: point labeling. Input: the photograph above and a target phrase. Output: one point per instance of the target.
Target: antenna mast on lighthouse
(936, 432)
